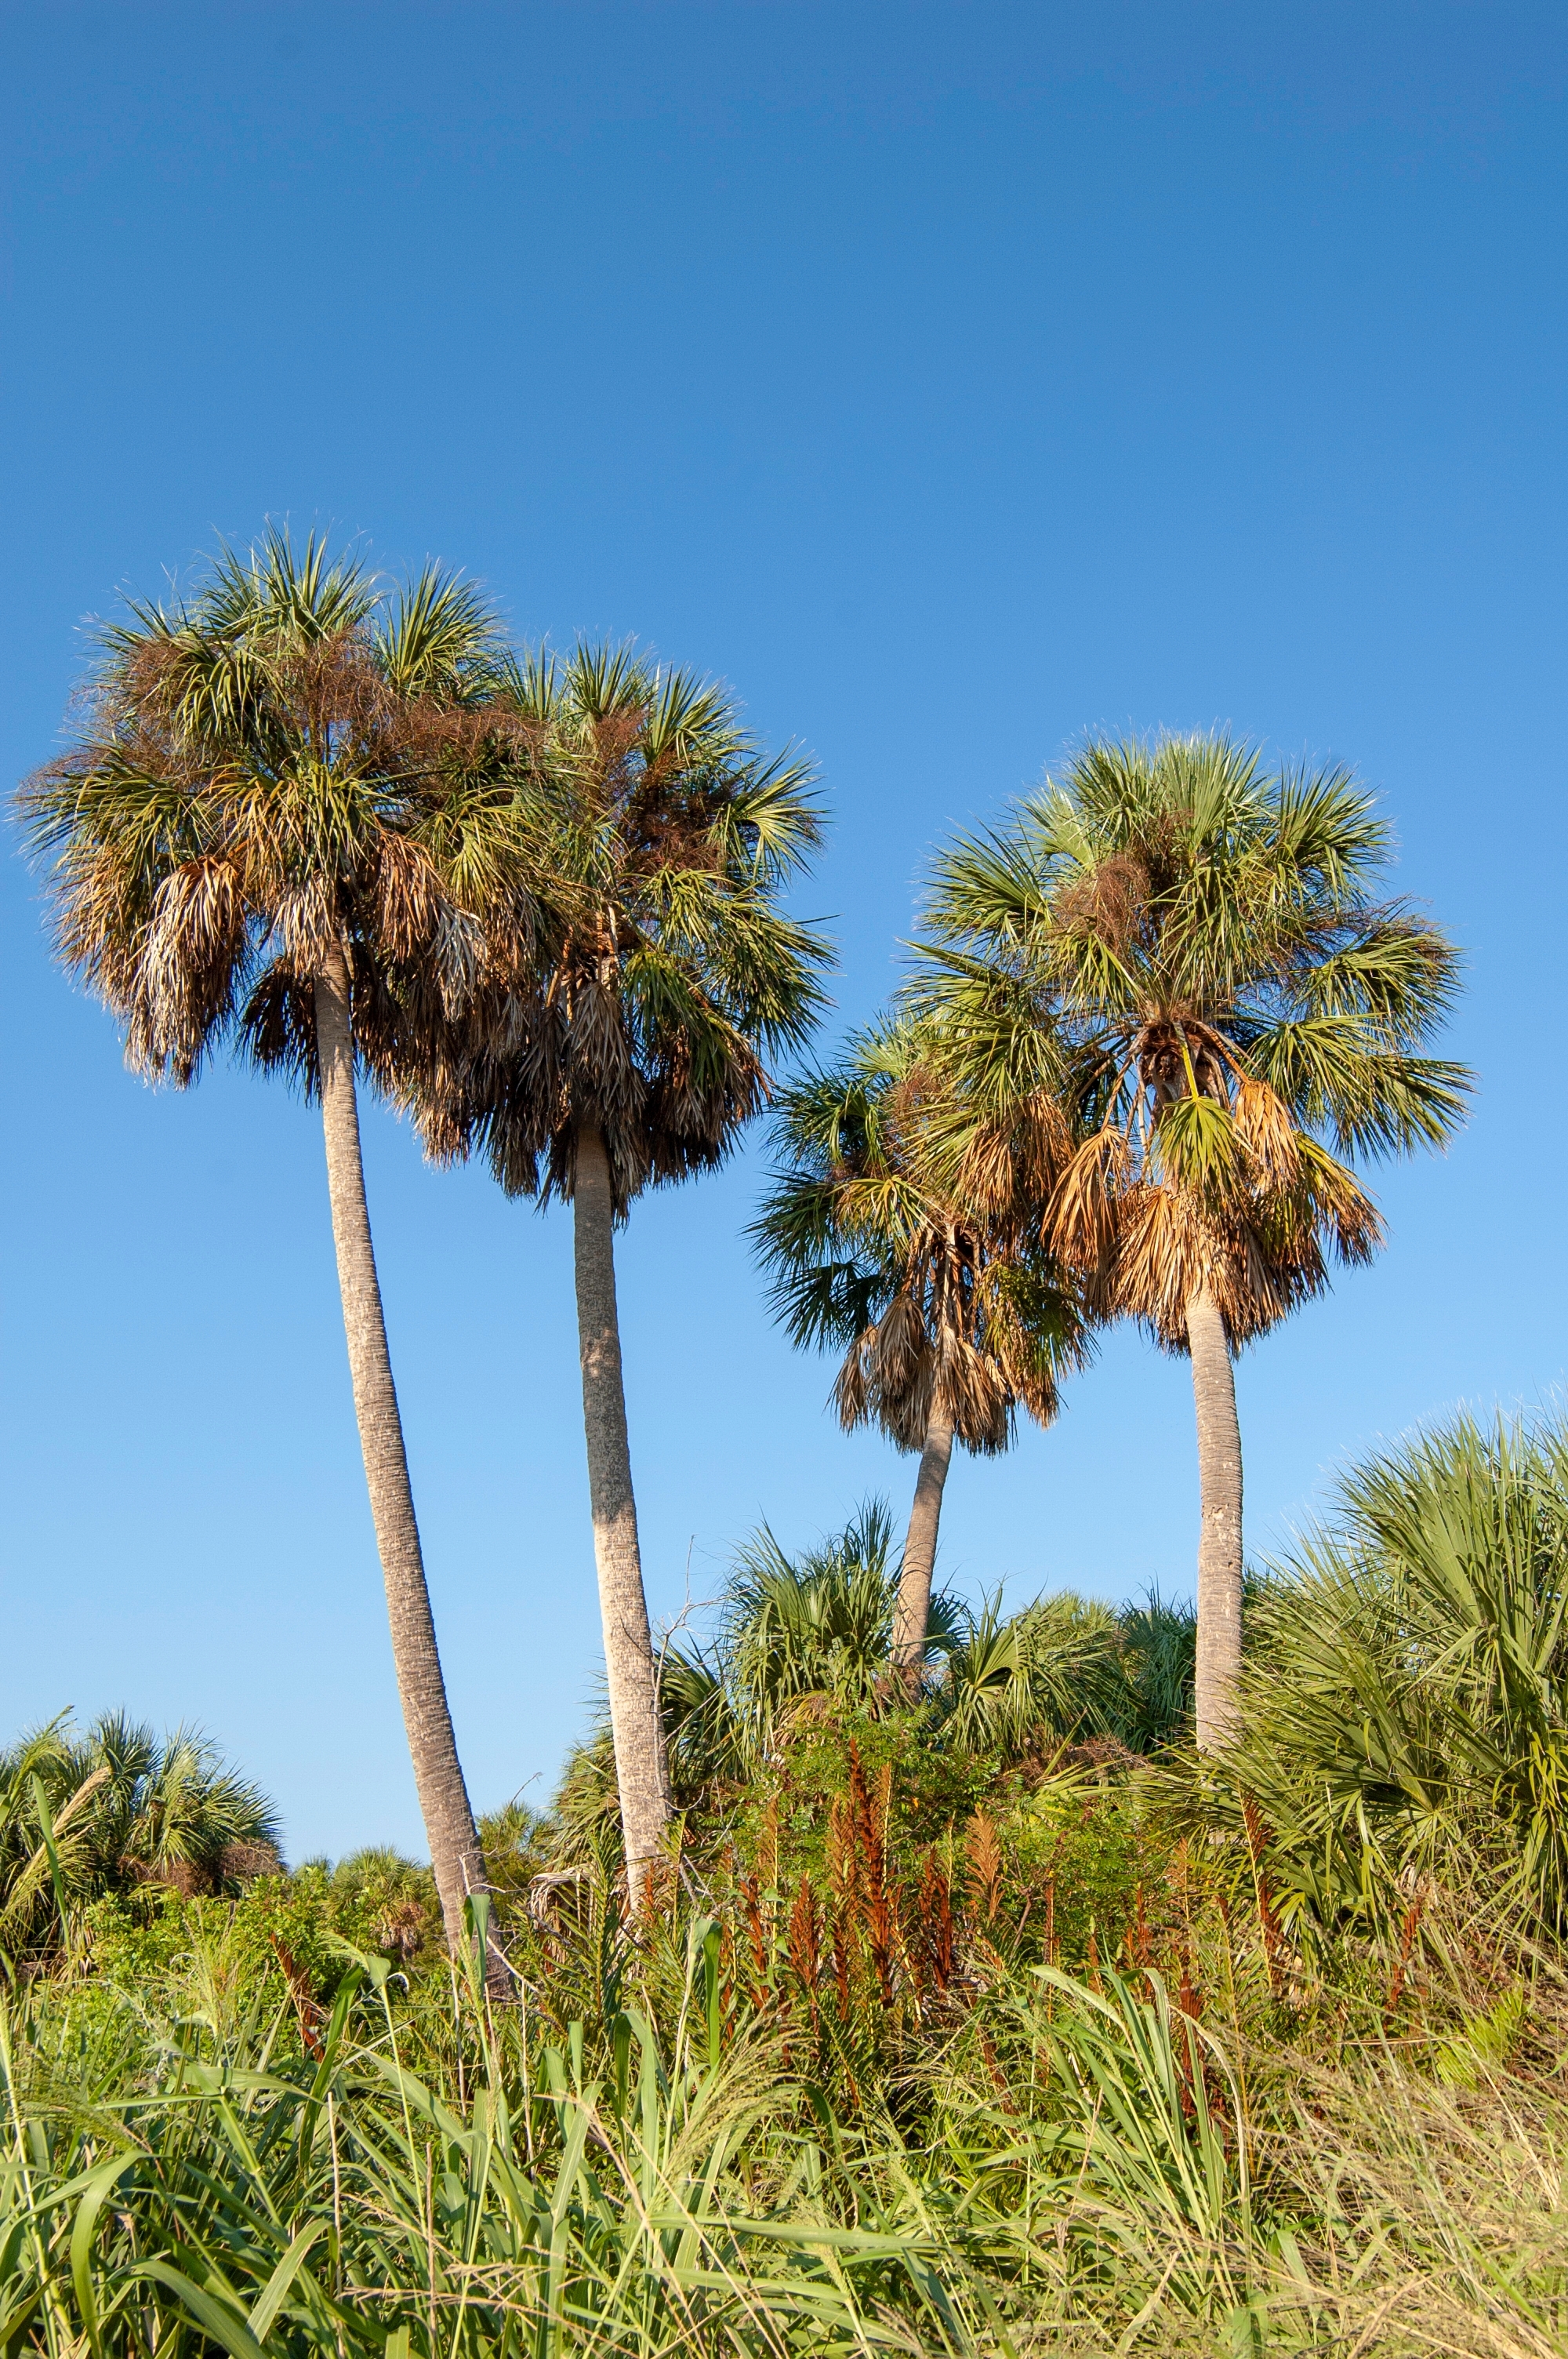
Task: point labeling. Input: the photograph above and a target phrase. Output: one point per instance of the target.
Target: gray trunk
(1219, 1537)
(920, 1550)
(443, 1798)
(630, 1670)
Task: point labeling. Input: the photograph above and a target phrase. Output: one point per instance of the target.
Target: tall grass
(1059, 2167)
(949, 2030)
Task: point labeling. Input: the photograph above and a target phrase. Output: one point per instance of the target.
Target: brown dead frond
(1042, 1144)
(987, 1175)
(181, 984)
(1108, 903)
(976, 1391)
(406, 896)
(1087, 1205)
(1264, 1126)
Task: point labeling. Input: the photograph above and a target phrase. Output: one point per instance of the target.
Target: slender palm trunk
(1219, 1537)
(455, 1853)
(920, 1550)
(629, 1668)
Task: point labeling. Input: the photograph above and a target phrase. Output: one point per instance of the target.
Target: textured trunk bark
(1220, 1538)
(443, 1798)
(630, 1669)
(920, 1551)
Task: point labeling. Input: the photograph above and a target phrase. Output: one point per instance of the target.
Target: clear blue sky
(950, 379)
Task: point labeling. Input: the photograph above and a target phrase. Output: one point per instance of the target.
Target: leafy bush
(1406, 1704)
(1057, 2163)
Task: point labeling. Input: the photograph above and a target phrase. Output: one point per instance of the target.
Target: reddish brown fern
(307, 2006)
(1401, 1967)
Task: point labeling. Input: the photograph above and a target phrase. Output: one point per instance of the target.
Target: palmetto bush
(1406, 1718)
(799, 1642)
(115, 1807)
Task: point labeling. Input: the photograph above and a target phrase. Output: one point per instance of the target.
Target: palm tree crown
(259, 764)
(665, 973)
(935, 1305)
(1234, 1012)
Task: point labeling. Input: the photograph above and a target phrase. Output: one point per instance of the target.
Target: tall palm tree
(949, 1318)
(620, 1040)
(1233, 1011)
(237, 836)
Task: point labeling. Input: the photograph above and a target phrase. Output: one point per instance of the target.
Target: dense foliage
(985, 2019)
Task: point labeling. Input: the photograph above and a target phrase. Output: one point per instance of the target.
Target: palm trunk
(630, 1669)
(920, 1551)
(1220, 1538)
(455, 1853)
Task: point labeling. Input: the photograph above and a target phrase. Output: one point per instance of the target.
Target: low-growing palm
(949, 1320)
(86, 1814)
(814, 1625)
(620, 1040)
(239, 856)
(1407, 1713)
(796, 1639)
(1233, 1012)
(1034, 1679)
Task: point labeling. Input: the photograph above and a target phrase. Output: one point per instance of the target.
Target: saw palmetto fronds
(1407, 1711)
(83, 1813)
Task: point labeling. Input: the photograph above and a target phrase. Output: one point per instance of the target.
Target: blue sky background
(950, 379)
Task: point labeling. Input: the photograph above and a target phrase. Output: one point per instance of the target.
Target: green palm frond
(1051, 1671)
(440, 638)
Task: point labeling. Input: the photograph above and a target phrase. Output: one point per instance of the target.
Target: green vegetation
(993, 2018)
(891, 1972)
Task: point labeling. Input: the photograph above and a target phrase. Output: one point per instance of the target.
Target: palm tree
(237, 836)
(620, 1041)
(948, 1319)
(1232, 1012)
(797, 1638)
(119, 1807)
